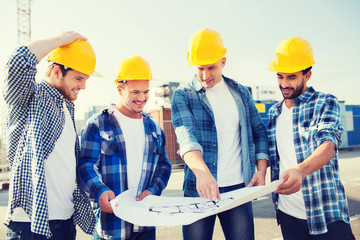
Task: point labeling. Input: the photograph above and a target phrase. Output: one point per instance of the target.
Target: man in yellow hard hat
(45, 200)
(124, 149)
(304, 136)
(221, 137)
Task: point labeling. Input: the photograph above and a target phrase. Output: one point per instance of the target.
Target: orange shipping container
(163, 117)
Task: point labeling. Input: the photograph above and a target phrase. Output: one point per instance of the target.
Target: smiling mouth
(139, 104)
(286, 90)
(207, 81)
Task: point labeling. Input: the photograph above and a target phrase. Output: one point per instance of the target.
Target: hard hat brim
(117, 80)
(203, 62)
(96, 74)
(272, 67)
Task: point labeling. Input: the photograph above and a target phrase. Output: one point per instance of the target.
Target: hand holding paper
(172, 211)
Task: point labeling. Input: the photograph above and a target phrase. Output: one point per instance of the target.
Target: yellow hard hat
(133, 68)
(78, 55)
(292, 55)
(206, 47)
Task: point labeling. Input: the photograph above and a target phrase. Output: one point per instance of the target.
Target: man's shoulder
(99, 116)
(274, 109)
(236, 84)
(155, 124)
(184, 91)
(275, 105)
(185, 87)
(324, 95)
(322, 98)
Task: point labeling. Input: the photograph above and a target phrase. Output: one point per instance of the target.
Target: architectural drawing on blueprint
(202, 207)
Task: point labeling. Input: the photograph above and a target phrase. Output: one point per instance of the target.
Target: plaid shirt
(35, 122)
(316, 118)
(103, 166)
(195, 129)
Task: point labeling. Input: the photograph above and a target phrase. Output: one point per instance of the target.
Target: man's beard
(296, 92)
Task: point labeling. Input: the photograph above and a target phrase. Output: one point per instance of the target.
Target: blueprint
(172, 211)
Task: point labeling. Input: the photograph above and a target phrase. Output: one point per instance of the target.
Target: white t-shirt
(292, 204)
(60, 174)
(134, 135)
(228, 134)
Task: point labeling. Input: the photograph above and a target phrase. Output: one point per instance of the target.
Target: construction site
(159, 106)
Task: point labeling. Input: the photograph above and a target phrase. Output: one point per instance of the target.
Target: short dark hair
(64, 70)
(122, 83)
(305, 71)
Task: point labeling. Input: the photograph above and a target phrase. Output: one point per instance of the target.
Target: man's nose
(82, 84)
(205, 74)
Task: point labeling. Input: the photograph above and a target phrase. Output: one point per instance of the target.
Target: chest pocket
(108, 143)
(308, 130)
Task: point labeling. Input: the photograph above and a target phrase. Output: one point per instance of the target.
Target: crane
(23, 21)
(24, 36)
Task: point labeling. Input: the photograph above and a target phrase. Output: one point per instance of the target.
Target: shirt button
(214, 164)
(214, 145)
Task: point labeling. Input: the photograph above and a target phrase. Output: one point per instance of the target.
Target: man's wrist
(262, 166)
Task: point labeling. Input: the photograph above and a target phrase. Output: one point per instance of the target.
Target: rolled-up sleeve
(329, 127)
(184, 123)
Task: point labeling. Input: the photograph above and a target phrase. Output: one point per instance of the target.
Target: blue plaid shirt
(103, 166)
(316, 118)
(195, 129)
(35, 122)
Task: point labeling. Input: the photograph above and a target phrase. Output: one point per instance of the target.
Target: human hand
(143, 195)
(292, 180)
(68, 37)
(104, 201)
(207, 186)
(258, 179)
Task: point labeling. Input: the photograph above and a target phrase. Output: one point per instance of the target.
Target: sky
(160, 30)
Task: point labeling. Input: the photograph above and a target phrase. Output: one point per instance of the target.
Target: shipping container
(163, 117)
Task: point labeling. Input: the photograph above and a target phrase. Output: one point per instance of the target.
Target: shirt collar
(197, 84)
(56, 94)
(307, 95)
(112, 108)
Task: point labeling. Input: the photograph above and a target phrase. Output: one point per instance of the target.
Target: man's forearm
(206, 184)
(195, 162)
(318, 159)
(262, 166)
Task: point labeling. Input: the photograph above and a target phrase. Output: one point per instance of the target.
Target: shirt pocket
(308, 131)
(108, 143)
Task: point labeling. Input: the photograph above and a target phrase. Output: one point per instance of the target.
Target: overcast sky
(160, 31)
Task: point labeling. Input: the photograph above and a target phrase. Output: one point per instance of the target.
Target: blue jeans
(61, 230)
(293, 228)
(236, 223)
(146, 235)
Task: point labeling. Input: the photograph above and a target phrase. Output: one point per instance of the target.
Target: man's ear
(56, 72)
(307, 76)
(223, 61)
(119, 90)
